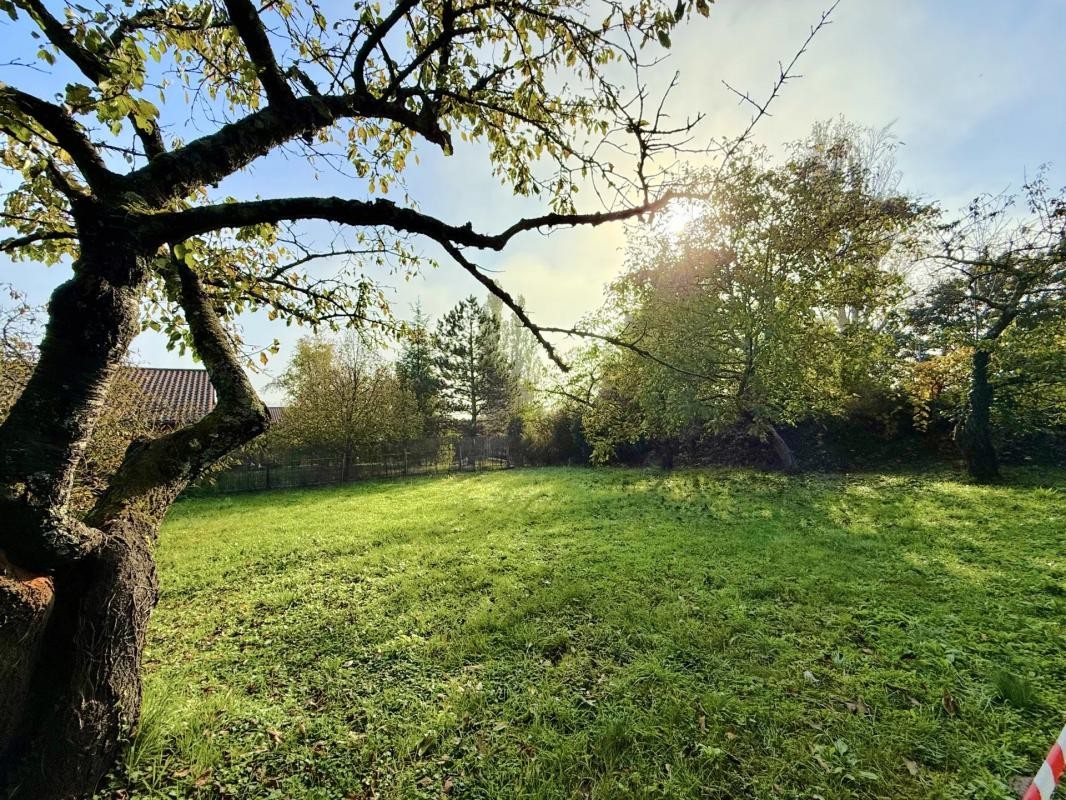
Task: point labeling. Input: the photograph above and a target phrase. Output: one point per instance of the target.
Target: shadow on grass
(603, 634)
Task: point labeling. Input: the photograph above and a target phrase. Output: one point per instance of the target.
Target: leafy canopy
(540, 86)
(768, 306)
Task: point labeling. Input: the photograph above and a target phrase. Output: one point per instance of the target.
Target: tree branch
(8, 245)
(633, 347)
(249, 27)
(68, 134)
(215, 156)
(177, 225)
(785, 74)
(169, 463)
(507, 300)
(91, 65)
(379, 32)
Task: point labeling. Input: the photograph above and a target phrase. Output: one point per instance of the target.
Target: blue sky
(972, 89)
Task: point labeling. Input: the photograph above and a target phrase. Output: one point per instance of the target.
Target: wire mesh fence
(299, 468)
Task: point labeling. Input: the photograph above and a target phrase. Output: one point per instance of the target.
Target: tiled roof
(176, 395)
(181, 395)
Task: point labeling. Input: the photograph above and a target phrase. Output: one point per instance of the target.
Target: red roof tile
(176, 395)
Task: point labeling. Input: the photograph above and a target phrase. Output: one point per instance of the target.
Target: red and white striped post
(1043, 785)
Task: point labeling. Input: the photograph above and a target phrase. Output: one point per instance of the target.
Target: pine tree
(417, 371)
(475, 380)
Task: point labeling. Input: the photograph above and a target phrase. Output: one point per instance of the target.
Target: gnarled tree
(101, 181)
(999, 267)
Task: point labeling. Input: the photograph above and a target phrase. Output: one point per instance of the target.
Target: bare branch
(785, 74)
(632, 347)
(177, 225)
(507, 300)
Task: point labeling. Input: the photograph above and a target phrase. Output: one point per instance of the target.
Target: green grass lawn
(567, 633)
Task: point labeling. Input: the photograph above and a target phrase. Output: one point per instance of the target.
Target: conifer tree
(475, 380)
(417, 371)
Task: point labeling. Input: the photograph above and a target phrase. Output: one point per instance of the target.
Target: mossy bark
(84, 693)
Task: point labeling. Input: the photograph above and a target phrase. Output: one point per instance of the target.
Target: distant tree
(345, 399)
(764, 309)
(1029, 375)
(1001, 268)
(476, 381)
(522, 353)
(417, 370)
(17, 353)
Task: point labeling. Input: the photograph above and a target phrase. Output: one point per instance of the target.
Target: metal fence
(298, 468)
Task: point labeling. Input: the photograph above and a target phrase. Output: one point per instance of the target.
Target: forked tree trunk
(75, 596)
(974, 433)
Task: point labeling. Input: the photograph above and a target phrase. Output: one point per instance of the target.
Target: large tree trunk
(84, 695)
(974, 433)
(75, 596)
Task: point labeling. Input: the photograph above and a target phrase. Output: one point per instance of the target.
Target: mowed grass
(568, 633)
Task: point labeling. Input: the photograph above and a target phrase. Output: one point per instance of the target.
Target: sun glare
(679, 215)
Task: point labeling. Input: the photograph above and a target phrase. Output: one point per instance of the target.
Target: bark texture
(85, 692)
(26, 601)
(76, 595)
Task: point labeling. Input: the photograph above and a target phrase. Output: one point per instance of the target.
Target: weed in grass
(1014, 689)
